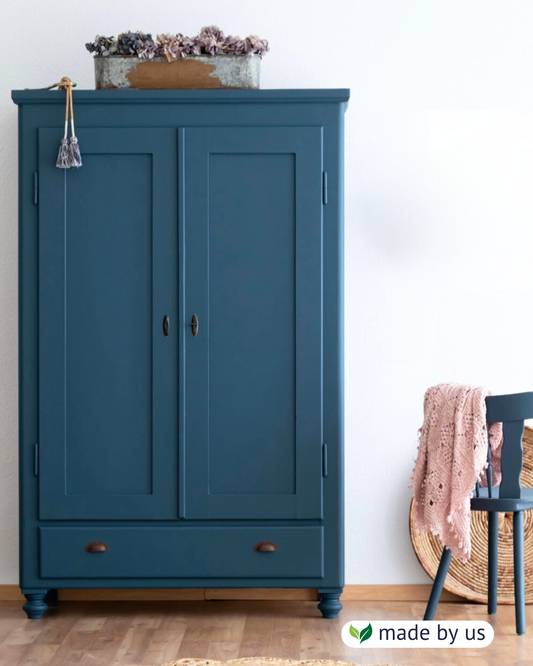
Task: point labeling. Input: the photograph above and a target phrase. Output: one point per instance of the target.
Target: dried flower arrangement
(210, 41)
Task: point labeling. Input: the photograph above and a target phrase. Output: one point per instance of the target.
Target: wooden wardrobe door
(107, 373)
(251, 400)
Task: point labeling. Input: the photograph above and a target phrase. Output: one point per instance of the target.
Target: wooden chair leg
(436, 590)
(518, 561)
(493, 562)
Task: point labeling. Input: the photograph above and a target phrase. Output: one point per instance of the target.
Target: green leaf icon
(365, 633)
(354, 632)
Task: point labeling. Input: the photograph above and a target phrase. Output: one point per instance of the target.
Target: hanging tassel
(75, 155)
(63, 157)
(69, 155)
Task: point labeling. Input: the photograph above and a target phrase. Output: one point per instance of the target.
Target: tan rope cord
(66, 84)
(62, 85)
(69, 97)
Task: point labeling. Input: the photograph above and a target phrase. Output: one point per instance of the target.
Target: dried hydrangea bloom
(189, 46)
(170, 46)
(102, 46)
(210, 41)
(148, 48)
(233, 45)
(211, 31)
(255, 46)
(130, 43)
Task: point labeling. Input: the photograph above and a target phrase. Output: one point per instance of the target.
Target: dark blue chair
(511, 410)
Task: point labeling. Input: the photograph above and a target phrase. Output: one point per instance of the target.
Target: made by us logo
(362, 635)
(429, 634)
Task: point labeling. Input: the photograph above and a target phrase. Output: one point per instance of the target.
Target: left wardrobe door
(107, 364)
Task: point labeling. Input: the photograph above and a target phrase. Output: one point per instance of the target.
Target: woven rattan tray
(469, 579)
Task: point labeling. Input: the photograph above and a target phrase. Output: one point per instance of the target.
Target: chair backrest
(510, 410)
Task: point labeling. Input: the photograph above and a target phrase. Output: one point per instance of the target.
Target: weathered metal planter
(220, 71)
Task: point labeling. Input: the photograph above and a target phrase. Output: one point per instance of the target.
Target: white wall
(439, 209)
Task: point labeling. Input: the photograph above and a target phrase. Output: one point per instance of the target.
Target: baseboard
(11, 593)
(393, 593)
(351, 593)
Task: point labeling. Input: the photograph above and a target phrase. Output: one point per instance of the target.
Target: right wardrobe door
(251, 319)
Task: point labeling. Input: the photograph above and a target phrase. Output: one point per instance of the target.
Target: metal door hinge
(36, 188)
(325, 187)
(324, 459)
(36, 459)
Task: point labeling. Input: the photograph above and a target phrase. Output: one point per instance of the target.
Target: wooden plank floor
(142, 633)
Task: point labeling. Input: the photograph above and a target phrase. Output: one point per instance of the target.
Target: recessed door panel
(252, 384)
(107, 373)
(252, 332)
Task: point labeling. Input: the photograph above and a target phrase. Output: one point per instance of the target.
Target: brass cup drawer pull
(96, 547)
(265, 547)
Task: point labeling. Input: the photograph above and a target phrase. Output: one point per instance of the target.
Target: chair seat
(494, 503)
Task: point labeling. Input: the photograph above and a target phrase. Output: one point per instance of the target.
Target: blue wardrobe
(181, 342)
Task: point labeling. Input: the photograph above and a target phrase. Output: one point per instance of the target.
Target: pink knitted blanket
(452, 456)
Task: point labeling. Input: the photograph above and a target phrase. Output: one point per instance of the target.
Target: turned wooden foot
(35, 605)
(329, 604)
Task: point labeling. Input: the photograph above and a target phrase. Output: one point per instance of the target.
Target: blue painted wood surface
(210, 97)
(518, 571)
(253, 275)
(511, 410)
(245, 242)
(107, 276)
(492, 562)
(438, 584)
(196, 552)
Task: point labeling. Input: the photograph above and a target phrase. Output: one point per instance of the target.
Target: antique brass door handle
(194, 325)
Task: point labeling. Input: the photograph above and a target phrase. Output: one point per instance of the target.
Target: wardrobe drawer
(181, 552)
